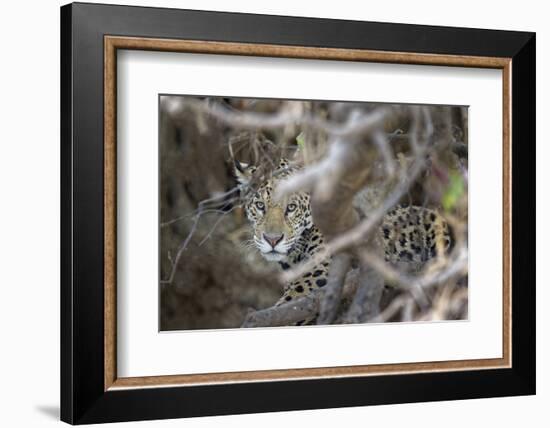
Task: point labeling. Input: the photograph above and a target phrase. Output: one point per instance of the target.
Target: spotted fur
(284, 231)
(414, 234)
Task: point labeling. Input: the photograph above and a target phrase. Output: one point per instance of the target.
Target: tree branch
(285, 314)
(331, 294)
(366, 302)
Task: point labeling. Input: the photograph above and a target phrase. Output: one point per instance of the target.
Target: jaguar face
(277, 224)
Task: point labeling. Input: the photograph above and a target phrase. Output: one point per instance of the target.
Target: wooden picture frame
(91, 391)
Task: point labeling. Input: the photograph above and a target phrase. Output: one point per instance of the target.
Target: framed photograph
(266, 213)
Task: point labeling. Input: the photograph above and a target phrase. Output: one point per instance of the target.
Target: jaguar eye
(290, 208)
(260, 205)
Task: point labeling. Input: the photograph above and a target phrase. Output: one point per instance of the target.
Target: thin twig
(218, 221)
(201, 211)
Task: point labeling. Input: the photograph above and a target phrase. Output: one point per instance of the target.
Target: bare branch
(356, 124)
(333, 290)
(393, 309)
(366, 302)
(454, 266)
(284, 314)
(203, 205)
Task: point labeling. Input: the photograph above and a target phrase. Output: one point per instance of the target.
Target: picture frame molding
(114, 43)
(90, 389)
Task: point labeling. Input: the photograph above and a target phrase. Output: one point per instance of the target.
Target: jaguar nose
(273, 238)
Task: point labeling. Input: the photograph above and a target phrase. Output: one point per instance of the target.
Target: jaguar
(284, 232)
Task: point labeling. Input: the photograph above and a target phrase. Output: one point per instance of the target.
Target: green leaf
(453, 192)
(301, 140)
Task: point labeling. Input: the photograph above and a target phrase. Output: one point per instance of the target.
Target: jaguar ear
(243, 172)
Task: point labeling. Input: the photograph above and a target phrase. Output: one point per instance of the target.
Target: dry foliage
(359, 161)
